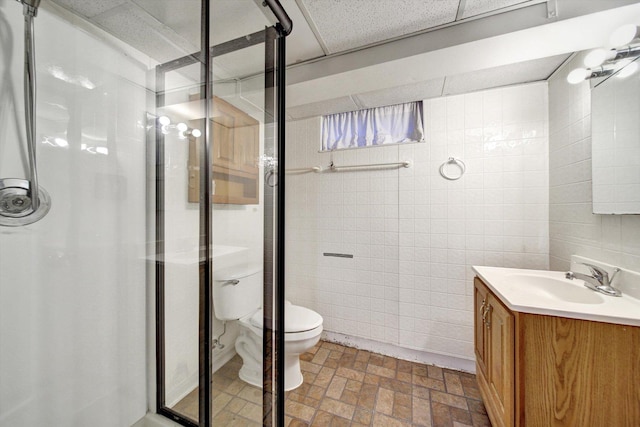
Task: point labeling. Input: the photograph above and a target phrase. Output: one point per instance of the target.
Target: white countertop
(517, 289)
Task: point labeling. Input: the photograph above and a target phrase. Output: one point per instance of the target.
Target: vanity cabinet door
(500, 323)
(495, 349)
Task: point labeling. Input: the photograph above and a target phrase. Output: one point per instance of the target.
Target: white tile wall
(413, 234)
(573, 228)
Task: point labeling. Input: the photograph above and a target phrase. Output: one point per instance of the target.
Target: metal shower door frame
(274, 39)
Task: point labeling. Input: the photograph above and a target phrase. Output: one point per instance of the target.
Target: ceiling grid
(351, 54)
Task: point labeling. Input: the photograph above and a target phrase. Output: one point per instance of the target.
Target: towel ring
(453, 161)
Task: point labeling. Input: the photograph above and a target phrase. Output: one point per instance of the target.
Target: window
(373, 126)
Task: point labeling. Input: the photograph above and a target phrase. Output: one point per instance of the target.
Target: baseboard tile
(387, 349)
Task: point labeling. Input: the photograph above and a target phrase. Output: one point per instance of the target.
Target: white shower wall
(73, 285)
(413, 234)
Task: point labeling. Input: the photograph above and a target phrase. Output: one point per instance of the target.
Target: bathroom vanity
(550, 352)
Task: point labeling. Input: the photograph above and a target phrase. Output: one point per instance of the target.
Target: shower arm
(30, 11)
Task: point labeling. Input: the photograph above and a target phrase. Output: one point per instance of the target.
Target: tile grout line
(400, 379)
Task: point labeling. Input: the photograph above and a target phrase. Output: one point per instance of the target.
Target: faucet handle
(596, 271)
(616, 270)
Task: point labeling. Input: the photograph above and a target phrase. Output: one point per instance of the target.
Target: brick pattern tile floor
(344, 386)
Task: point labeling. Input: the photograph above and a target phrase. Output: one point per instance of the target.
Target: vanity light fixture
(603, 62)
(624, 35)
(581, 74)
(183, 130)
(599, 56)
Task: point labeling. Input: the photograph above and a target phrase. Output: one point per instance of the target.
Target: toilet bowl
(237, 295)
(303, 328)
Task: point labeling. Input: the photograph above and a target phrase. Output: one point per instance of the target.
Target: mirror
(615, 132)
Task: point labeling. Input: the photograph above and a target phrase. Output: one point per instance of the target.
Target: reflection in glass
(615, 108)
(181, 244)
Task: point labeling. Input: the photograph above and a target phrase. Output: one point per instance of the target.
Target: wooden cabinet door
(495, 351)
(235, 145)
(224, 135)
(480, 339)
(247, 146)
(500, 324)
(235, 138)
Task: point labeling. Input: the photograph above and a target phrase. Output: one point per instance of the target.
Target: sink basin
(572, 291)
(549, 293)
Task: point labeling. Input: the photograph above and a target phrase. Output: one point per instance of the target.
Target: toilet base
(250, 376)
(292, 373)
(293, 377)
(249, 347)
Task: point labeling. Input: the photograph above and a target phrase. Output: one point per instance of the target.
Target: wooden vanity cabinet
(235, 143)
(539, 370)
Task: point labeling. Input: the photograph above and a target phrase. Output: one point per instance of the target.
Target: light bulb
(182, 127)
(196, 133)
(578, 75)
(627, 70)
(164, 120)
(598, 57)
(623, 35)
(61, 142)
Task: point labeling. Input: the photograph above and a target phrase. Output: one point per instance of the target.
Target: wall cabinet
(539, 370)
(236, 149)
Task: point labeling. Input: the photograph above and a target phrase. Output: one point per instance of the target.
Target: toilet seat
(296, 319)
(294, 315)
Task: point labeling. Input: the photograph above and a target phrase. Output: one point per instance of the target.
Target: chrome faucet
(599, 280)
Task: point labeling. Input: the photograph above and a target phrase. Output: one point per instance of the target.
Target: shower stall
(135, 137)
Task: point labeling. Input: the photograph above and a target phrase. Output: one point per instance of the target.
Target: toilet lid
(296, 319)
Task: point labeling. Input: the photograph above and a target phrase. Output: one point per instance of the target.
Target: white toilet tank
(237, 291)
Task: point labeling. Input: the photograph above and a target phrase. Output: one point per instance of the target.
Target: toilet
(237, 295)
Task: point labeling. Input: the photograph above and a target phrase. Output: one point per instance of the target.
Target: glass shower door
(215, 221)
(239, 210)
(178, 240)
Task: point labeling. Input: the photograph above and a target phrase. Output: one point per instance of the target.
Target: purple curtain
(373, 126)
